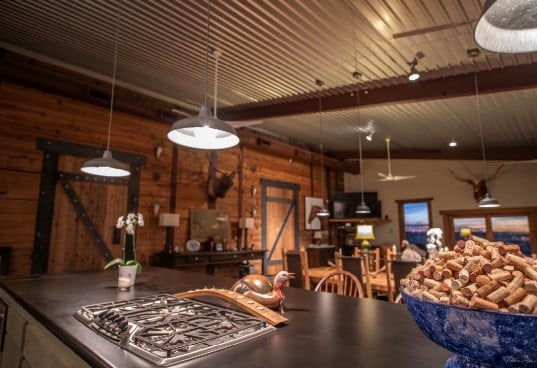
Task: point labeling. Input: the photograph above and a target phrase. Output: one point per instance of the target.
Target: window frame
(401, 213)
(449, 215)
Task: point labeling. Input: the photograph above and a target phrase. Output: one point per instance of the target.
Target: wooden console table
(211, 259)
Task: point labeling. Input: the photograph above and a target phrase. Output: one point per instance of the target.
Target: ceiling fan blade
(420, 31)
(397, 178)
(534, 161)
(383, 175)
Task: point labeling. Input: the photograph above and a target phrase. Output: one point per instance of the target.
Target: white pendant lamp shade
(203, 132)
(489, 202)
(105, 166)
(323, 212)
(363, 208)
(508, 26)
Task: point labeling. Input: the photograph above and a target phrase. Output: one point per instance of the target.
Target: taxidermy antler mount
(479, 185)
(220, 184)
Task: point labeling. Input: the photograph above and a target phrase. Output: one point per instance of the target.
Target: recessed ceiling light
(453, 143)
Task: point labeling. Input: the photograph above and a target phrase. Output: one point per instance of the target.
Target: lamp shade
(246, 223)
(169, 219)
(317, 235)
(507, 26)
(203, 132)
(105, 166)
(365, 232)
(363, 208)
(489, 202)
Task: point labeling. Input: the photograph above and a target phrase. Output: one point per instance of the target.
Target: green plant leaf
(138, 265)
(114, 262)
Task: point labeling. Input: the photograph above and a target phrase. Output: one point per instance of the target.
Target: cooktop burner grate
(166, 329)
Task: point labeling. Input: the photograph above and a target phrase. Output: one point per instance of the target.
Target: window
(510, 225)
(414, 220)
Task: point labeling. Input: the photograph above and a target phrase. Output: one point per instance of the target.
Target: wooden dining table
(377, 281)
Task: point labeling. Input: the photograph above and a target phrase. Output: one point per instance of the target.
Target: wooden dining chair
(296, 261)
(352, 264)
(397, 270)
(341, 283)
(367, 276)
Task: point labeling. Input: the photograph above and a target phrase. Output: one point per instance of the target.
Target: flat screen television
(344, 204)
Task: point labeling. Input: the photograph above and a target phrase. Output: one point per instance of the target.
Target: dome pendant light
(323, 212)
(507, 26)
(488, 201)
(362, 208)
(205, 131)
(106, 165)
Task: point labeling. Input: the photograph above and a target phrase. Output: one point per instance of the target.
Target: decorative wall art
(312, 205)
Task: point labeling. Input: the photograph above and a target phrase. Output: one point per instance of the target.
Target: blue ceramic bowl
(478, 338)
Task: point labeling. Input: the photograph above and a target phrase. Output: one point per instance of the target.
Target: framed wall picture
(312, 205)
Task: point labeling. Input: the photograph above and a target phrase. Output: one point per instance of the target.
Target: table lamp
(365, 233)
(317, 236)
(170, 221)
(465, 233)
(245, 224)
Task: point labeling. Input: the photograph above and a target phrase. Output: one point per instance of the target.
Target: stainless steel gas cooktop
(166, 329)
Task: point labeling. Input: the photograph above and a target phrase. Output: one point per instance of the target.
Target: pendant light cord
(113, 77)
(321, 135)
(207, 50)
(480, 127)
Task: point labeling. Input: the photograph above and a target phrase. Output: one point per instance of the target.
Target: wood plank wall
(26, 114)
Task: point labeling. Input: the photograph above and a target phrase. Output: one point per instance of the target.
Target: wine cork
(531, 273)
(481, 280)
(460, 300)
(478, 240)
(515, 283)
(454, 266)
(528, 304)
(511, 248)
(530, 286)
(485, 290)
(498, 295)
(496, 262)
(500, 276)
(479, 303)
(448, 254)
(515, 297)
(431, 283)
(429, 296)
(469, 290)
(519, 262)
(446, 273)
(464, 276)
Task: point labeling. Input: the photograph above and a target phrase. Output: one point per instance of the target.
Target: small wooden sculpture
(262, 290)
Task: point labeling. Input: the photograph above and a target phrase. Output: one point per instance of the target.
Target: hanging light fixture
(488, 201)
(205, 131)
(507, 26)
(362, 208)
(323, 212)
(106, 165)
(414, 74)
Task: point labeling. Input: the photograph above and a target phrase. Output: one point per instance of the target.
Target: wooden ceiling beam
(489, 81)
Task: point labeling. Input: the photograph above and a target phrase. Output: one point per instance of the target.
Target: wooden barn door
(77, 213)
(279, 221)
(72, 246)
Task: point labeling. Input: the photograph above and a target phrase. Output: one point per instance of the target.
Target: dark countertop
(323, 329)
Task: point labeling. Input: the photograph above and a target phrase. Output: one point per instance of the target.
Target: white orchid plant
(128, 224)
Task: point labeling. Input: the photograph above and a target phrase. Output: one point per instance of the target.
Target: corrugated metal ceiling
(275, 50)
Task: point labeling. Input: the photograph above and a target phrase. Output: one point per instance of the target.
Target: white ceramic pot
(128, 272)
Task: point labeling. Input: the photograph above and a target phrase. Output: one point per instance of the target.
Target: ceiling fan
(438, 28)
(534, 161)
(390, 177)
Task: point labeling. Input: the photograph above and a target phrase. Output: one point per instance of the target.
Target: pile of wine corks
(478, 274)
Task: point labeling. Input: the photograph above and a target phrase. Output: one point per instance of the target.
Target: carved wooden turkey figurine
(262, 290)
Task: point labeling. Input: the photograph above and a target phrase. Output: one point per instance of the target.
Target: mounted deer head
(219, 185)
(479, 185)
